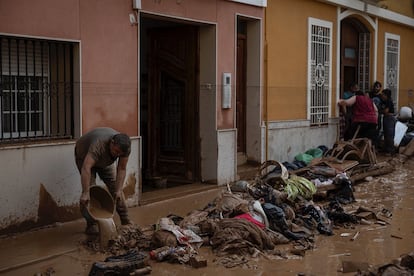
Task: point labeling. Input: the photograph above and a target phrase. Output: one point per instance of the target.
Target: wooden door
(173, 104)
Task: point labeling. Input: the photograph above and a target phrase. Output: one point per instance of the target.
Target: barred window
(36, 89)
(319, 70)
(391, 70)
(363, 62)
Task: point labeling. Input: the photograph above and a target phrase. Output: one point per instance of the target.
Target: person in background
(345, 119)
(388, 120)
(405, 116)
(96, 152)
(376, 89)
(364, 115)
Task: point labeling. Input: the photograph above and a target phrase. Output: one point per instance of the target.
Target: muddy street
(58, 250)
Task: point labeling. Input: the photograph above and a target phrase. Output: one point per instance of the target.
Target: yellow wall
(405, 7)
(287, 50)
(406, 79)
(287, 47)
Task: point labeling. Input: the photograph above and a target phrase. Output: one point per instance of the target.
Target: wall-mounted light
(136, 4)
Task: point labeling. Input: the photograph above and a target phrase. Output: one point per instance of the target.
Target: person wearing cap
(97, 152)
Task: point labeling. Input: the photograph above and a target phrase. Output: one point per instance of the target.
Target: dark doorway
(355, 54)
(241, 87)
(350, 77)
(169, 106)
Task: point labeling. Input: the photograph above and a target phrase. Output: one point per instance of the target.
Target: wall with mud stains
(47, 187)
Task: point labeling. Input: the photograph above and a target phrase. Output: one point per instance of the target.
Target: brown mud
(58, 250)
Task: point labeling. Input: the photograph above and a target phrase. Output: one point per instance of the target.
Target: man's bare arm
(120, 175)
(87, 165)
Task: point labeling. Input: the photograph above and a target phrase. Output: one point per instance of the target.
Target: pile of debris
(404, 265)
(252, 218)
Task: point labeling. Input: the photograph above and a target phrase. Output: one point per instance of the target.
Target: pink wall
(108, 51)
(109, 62)
(223, 13)
(109, 65)
(48, 18)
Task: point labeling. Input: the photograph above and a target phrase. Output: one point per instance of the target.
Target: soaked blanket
(239, 236)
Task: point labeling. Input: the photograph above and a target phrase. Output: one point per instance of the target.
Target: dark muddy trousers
(388, 126)
(107, 175)
(366, 130)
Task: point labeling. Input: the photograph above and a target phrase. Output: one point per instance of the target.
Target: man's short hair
(387, 92)
(122, 140)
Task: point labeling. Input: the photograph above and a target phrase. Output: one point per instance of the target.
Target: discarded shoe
(120, 265)
(290, 166)
(293, 236)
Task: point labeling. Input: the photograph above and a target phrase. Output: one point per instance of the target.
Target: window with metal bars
(36, 89)
(319, 70)
(391, 70)
(363, 62)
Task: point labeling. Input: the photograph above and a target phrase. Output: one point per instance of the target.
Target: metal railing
(36, 89)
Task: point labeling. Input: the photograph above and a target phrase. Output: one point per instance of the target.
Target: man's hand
(84, 199)
(118, 195)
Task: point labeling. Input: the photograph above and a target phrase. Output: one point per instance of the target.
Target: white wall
(286, 139)
(24, 168)
(227, 152)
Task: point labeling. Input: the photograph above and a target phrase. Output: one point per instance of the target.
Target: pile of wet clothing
(239, 225)
(248, 220)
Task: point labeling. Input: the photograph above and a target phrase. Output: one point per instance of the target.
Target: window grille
(320, 50)
(392, 65)
(36, 89)
(363, 62)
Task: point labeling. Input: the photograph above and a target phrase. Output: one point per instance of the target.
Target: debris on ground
(121, 264)
(253, 218)
(401, 266)
(50, 271)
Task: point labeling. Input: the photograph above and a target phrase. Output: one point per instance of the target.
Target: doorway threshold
(248, 171)
(176, 192)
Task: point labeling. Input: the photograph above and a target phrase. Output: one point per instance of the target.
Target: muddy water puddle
(373, 244)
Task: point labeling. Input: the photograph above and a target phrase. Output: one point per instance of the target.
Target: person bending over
(364, 115)
(96, 152)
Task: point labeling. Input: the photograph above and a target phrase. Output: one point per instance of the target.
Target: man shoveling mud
(96, 153)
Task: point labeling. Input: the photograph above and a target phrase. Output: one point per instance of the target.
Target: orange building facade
(315, 50)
